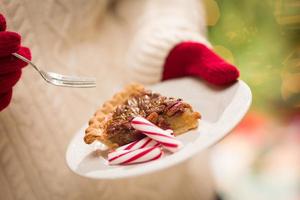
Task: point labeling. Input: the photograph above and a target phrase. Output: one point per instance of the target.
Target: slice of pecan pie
(111, 123)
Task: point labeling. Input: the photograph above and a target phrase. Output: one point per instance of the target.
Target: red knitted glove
(195, 59)
(10, 67)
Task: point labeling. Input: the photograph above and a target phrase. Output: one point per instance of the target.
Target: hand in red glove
(10, 66)
(195, 59)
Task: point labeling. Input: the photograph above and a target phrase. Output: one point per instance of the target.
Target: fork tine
(71, 78)
(59, 79)
(78, 86)
(74, 81)
(75, 86)
(71, 84)
(59, 82)
(67, 83)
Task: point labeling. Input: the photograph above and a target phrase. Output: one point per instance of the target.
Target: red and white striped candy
(126, 157)
(145, 142)
(168, 141)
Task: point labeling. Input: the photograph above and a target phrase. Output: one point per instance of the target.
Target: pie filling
(111, 124)
(158, 109)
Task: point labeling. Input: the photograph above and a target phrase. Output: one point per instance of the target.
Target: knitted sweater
(85, 38)
(162, 26)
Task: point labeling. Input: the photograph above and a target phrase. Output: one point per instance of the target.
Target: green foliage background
(261, 35)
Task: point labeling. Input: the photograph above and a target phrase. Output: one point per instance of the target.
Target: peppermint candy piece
(145, 142)
(164, 137)
(126, 157)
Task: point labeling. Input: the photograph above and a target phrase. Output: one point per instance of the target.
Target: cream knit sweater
(87, 38)
(163, 25)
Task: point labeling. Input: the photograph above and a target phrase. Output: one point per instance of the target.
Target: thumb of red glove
(195, 59)
(10, 66)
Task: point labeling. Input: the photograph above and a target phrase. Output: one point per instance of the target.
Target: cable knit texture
(179, 21)
(78, 37)
(195, 59)
(5, 98)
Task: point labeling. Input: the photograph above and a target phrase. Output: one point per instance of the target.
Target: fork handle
(26, 60)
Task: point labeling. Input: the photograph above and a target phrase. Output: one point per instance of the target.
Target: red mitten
(195, 59)
(10, 66)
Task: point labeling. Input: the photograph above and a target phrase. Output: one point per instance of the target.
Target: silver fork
(59, 79)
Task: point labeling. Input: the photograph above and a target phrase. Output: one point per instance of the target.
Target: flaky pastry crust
(97, 124)
(103, 114)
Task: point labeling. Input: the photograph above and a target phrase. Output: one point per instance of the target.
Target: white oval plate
(221, 109)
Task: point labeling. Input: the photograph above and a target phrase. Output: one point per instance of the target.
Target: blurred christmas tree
(262, 38)
(260, 159)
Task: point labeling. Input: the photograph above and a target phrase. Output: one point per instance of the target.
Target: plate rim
(245, 92)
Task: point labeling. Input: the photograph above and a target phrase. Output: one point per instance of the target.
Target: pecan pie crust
(111, 123)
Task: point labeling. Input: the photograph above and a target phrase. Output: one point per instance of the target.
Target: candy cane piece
(126, 157)
(168, 141)
(145, 142)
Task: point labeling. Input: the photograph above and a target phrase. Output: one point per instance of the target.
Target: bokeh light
(261, 158)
